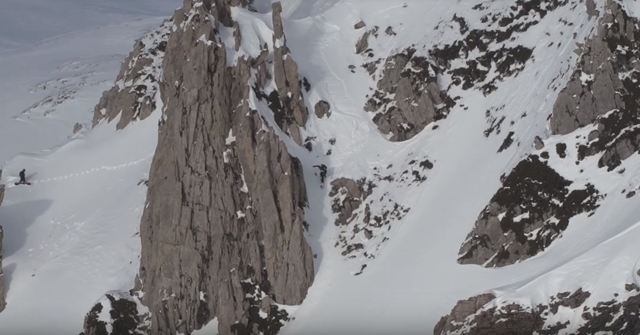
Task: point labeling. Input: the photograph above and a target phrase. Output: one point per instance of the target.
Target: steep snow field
(415, 279)
(71, 236)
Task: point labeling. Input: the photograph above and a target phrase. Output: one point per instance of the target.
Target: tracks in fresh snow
(86, 172)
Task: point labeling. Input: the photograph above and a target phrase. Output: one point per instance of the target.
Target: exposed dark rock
(92, 324)
(493, 121)
(224, 219)
(537, 143)
(461, 311)
(604, 91)
(294, 111)
(359, 25)
(561, 150)
(595, 87)
(616, 316)
(389, 31)
(135, 95)
(363, 43)
(591, 9)
(408, 97)
(124, 318)
(475, 51)
(352, 196)
(530, 210)
(77, 127)
(363, 230)
(322, 108)
(507, 142)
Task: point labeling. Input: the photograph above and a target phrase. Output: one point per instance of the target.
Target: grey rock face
(461, 311)
(77, 127)
(124, 316)
(359, 25)
(592, 90)
(408, 97)
(352, 194)
(527, 213)
(134, 95)
(322, 109)
(222, 234)
(363, 43)
(538, 144)
(616, 133)
(3, 303)
(602, 93)
(293, 112)
(615, 316)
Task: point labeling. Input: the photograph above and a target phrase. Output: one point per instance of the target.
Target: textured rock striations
(293, 113)
(222, 232)
(594, 86)
(408, 97)
(2, 301)
(603, 93)
(527, 213)
(125, 316)
(134, 95)
(479, 316)
(482, 315)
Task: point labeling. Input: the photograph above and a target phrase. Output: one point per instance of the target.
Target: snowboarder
(23, 179)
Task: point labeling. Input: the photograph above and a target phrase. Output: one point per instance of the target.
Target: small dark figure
(23, 180)
(323, 172)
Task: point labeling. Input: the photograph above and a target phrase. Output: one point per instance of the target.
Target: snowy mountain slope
(386, 220)
(70, 237)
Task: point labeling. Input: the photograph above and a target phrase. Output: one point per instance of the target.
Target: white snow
(72, 236)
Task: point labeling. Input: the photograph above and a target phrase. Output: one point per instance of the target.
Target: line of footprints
(97, 169)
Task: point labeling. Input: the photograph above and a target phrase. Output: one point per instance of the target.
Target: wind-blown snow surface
(71, 236)
(74, 229)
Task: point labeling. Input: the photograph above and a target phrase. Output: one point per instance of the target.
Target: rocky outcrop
(408, 97)
(362, 45)
(527, 213)
(322, 109)
(595, 85)
(292, 113)
(134, 96)
(222, 232)
(462, 310)
(602, 94)
(480, 58)
(348, 196)
(117, 313)
(485, 315)
(3, 303)
(615, 118)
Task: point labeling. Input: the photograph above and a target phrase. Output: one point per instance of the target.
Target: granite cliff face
(134, 96)
(222, 232)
